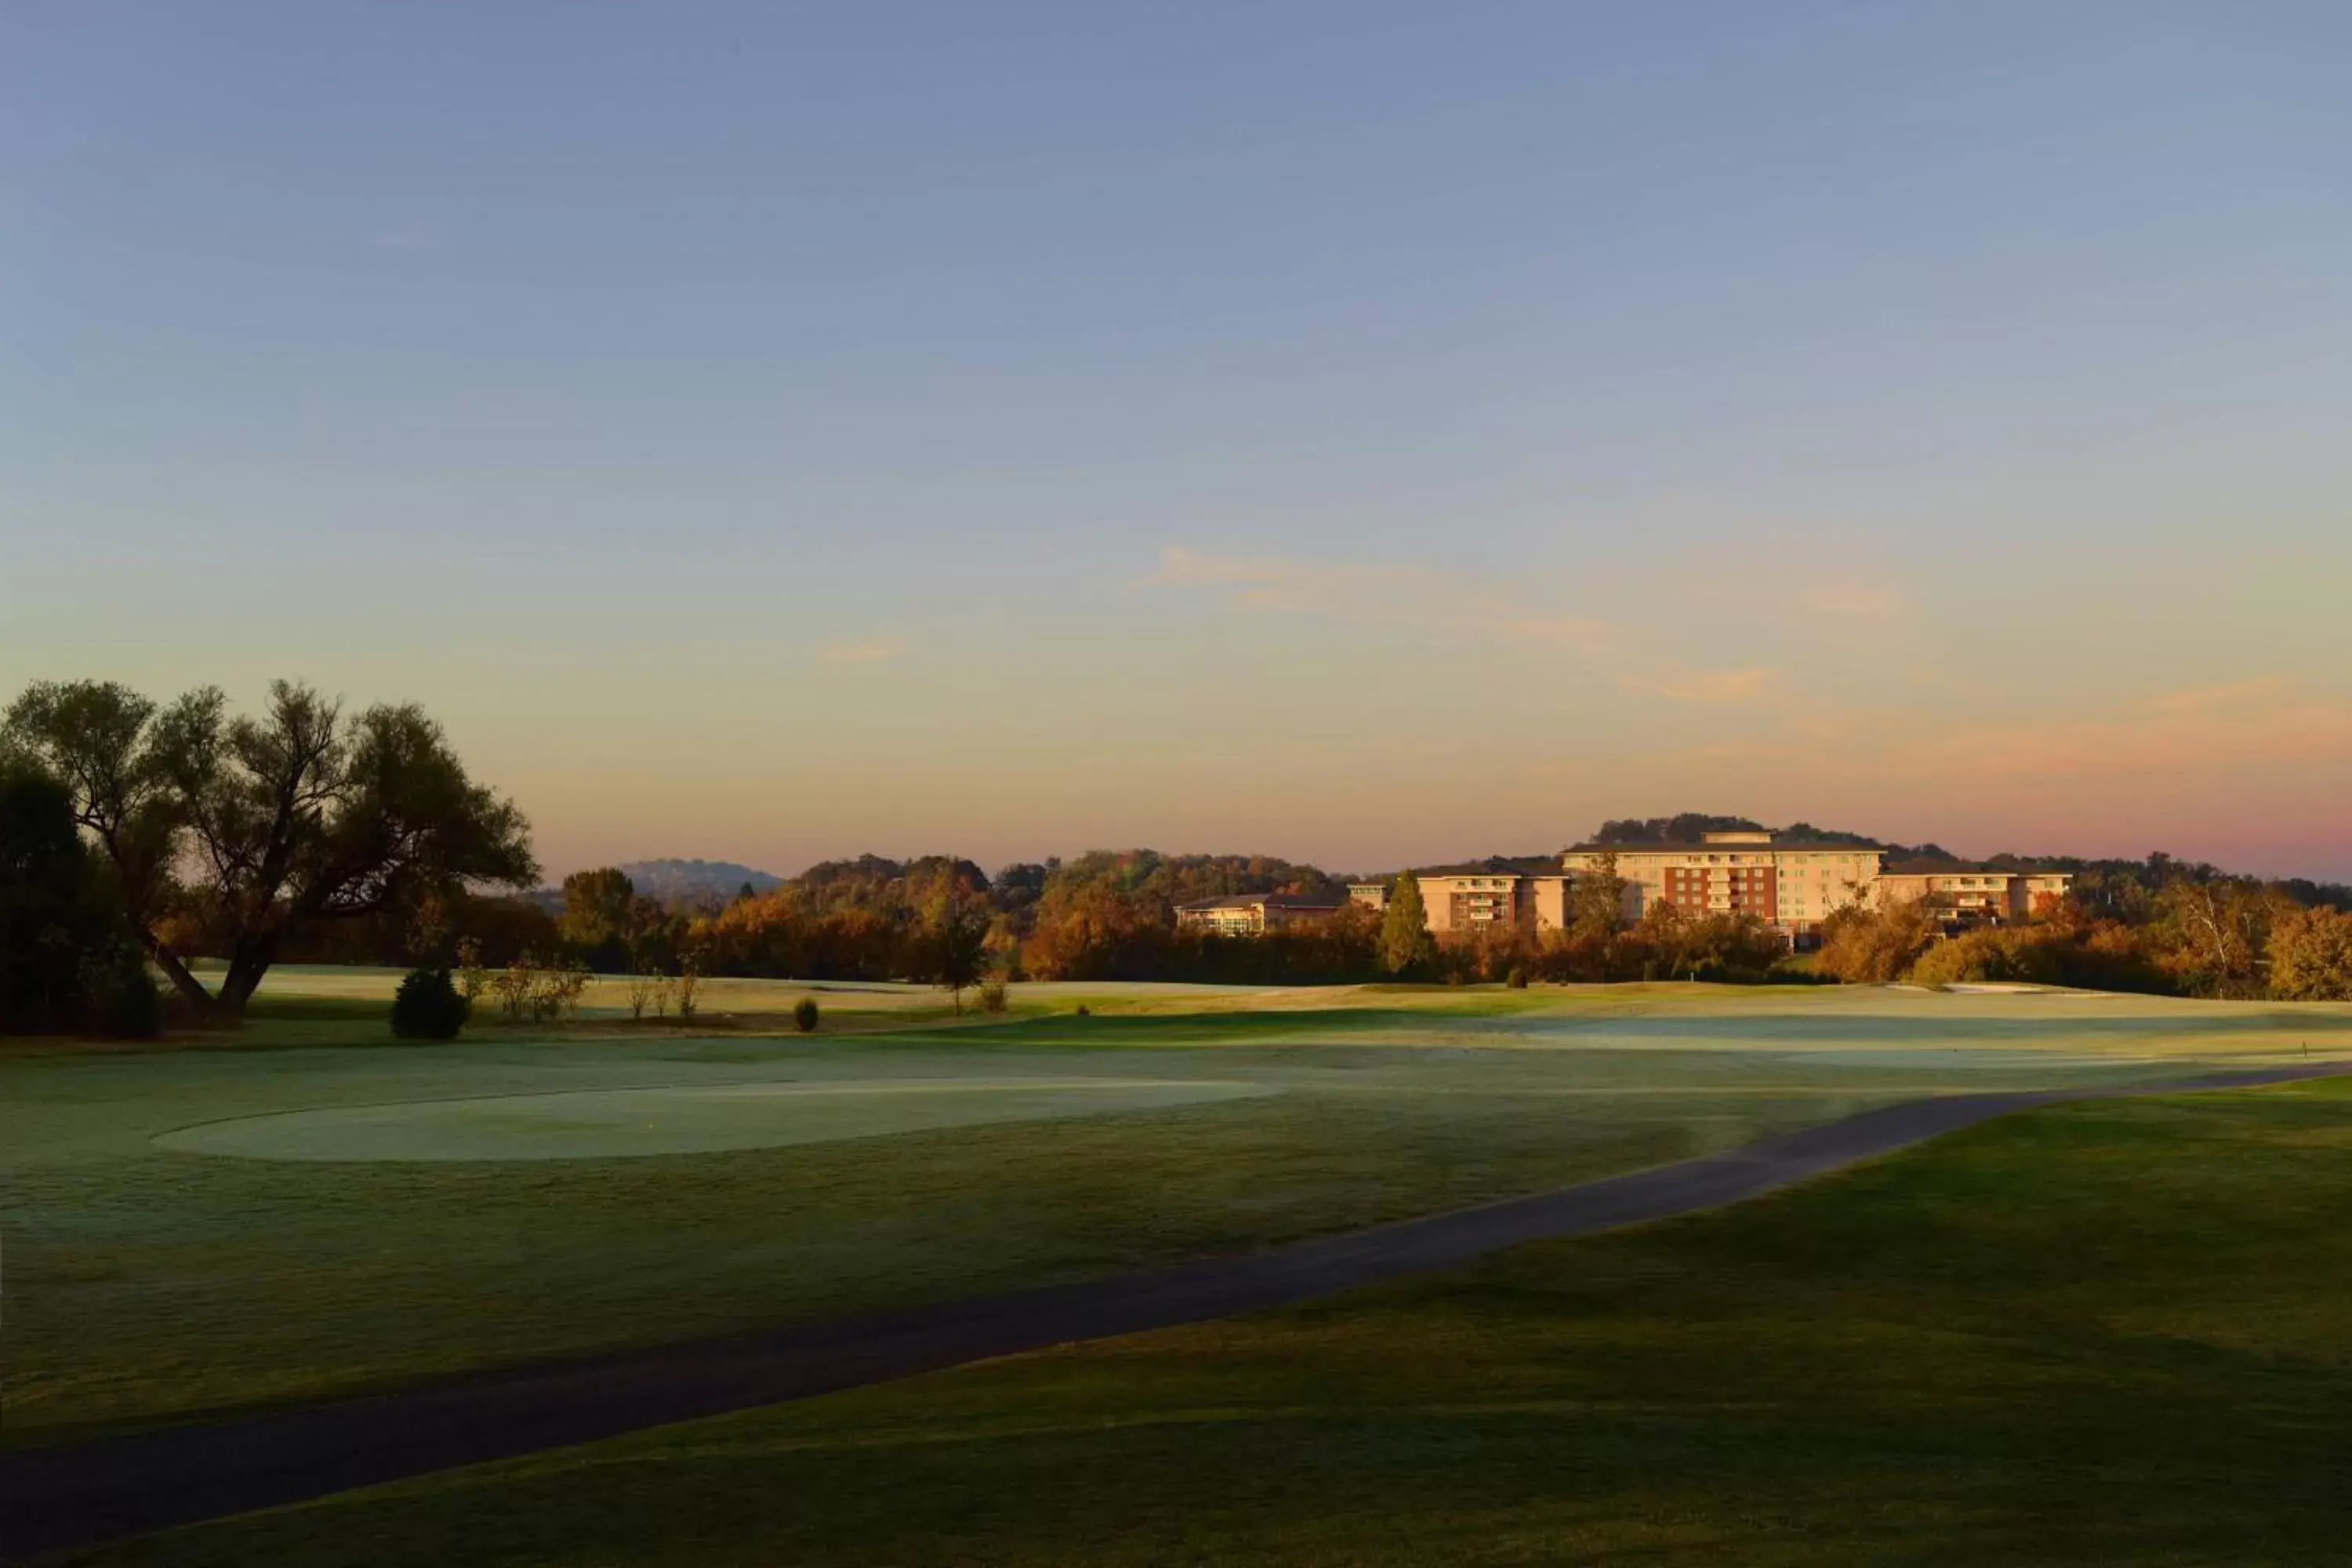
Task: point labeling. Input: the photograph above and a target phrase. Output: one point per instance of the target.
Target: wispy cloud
(2237, 693)
(2248, 735)
(870, 651)
(1182, 568)
(1712, 687)
(1857, 599)
(1802, 607)
(2195, 731)
(1416, 596)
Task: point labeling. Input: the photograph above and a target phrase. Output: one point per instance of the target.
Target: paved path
(80, 1494)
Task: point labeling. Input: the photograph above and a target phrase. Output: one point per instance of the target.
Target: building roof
(1271, 900)
(1499, 866)
(1699, 847)
(1917, 868)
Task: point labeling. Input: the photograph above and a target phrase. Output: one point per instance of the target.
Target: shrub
(513, 986)
(66, 961)
(427, 1007)
(805, 1016)
(1989, 955)
(473, 975)
(993, 997)
(119, 996)
(1866, 946)
(1084, 1011)
(643, 989)
(1797, 969)
(2311, 956)
(1516, 979)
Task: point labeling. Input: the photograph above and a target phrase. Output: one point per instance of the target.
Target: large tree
(1597, 900)
(599, 909)
(951, 949)
(275, 824)
(1405, 944)
(53, 921)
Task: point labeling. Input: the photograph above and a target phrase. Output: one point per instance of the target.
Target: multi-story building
(1791, 885)
(1373, 895)
(1967, 894)
(1532, 895)
(1254, 914)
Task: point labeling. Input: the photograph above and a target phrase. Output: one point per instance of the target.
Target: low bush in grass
(1798, 969)
(805, 1016)
(427, 1007)
(993, 997)
(119, 1001)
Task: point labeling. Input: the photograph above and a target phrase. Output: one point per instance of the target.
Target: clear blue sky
(1364, 432)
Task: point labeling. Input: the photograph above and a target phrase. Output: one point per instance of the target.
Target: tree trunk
(177, 973)
(248, 962)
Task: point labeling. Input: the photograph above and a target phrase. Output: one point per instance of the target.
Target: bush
(1797, 969)
(993, 997)
(119, 996)
(427, 1007)
(1998, 955)
(67, 962)
(1866, 946)
(805, 1016)
(2311, 956)
(1516, 980)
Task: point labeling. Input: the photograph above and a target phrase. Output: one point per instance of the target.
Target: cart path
(80, 1494)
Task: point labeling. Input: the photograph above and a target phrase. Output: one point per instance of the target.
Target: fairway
(306, 1208)
(677, 1119)
(2111, 1332)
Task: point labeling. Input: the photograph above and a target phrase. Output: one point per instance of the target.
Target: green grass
(2116, 1332)
(149, 1284)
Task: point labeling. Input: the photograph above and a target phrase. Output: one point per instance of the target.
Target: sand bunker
(679, 1119)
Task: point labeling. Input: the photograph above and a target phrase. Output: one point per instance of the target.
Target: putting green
(683, 1118)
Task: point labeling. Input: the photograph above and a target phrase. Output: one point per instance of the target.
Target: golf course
(221, 1227)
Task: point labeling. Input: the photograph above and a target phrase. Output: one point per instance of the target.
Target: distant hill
(696, 879)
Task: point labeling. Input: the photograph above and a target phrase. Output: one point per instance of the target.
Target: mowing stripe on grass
(77, 1495)
(677, 1119)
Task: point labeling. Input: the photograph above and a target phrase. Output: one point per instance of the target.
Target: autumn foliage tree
(1406, 946)
(2311, 956)
(951, 949)
(1861, 946)
(599, 917)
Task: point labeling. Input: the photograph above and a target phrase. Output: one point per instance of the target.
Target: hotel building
(1786, 883)
(1254, 914)
(1790, 885)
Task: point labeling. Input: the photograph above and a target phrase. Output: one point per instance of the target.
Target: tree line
(134, 833)
(2157, 926)
(1112, 916)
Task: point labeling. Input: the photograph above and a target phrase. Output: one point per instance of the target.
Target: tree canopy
(63, 950)
(1406, 945)
(269, 824)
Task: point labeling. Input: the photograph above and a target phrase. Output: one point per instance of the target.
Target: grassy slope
(146, 1284)
(2116, 1332)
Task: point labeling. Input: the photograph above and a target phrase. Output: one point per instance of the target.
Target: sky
(1364, 433)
